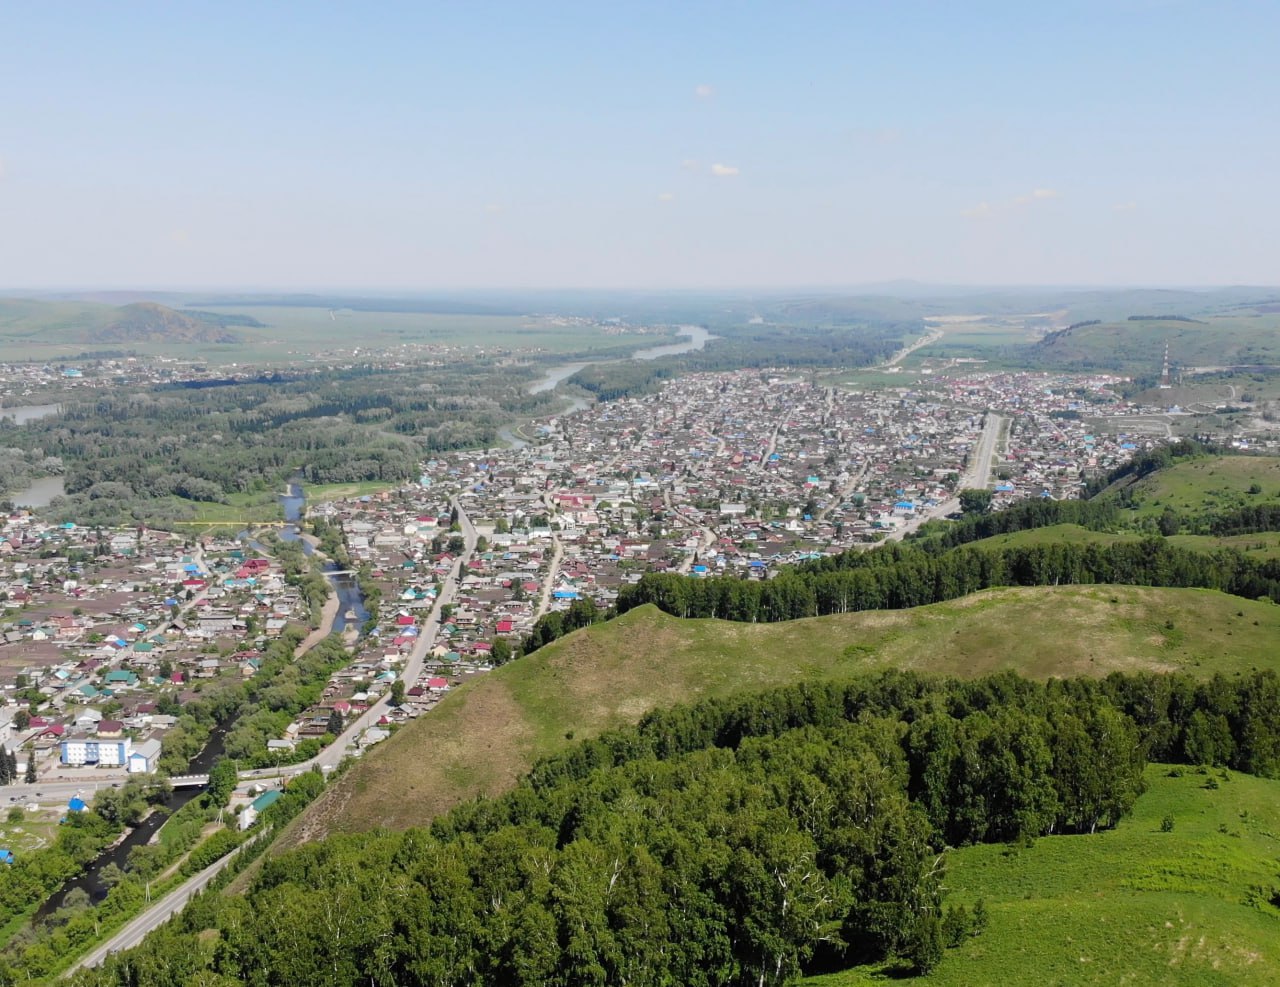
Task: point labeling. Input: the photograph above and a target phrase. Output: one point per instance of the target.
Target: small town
(109, 634)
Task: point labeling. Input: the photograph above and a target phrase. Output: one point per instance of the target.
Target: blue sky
(432, 146)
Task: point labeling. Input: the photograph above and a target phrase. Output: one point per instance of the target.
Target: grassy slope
(1138, 346)
(1264, 545)
(1214, 483)
(484, 735)
(1131, 906)
(1209, 485)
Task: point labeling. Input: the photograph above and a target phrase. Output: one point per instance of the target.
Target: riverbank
(514, 437)
(328, 614)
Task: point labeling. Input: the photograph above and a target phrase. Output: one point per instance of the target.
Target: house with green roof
(249, 815)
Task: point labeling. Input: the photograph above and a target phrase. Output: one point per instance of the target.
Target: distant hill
(45, 326)
(1136, 345)
(152, 322)
(484, 736)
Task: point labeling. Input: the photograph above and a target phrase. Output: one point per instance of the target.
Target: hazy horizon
(811, 147)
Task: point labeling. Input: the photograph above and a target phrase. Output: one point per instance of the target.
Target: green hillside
(30, 328)
(1137, 346)
(485, 734)
(1263, 545)
(1212, 483)
(1134, 905)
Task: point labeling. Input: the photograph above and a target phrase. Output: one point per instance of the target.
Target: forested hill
(896, 577)
(731, 843)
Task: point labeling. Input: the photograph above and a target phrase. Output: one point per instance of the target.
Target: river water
(554, 377)
(350, 599)
(23, 413)
(348, 590)
(40, 493)
(91, 880)
(46, 488)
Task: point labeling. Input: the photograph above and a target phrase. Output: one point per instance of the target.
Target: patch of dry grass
(488, 732)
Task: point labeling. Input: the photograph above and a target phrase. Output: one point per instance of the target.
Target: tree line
(739, 841)
(150, 451)
(897, 577)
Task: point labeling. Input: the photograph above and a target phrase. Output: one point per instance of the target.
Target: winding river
(555, 376)
(41, 491)
(350, 599)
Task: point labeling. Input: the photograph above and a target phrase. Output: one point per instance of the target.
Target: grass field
(242, 508)
(1134, 905)
(53, 330)
(318, 492)
(487, 733)
(1138, 346)
(1264, 545)
(294, 331)
(1211, 484)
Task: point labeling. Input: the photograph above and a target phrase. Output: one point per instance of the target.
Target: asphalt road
(176, 900)
(976, 476)
(157, 914)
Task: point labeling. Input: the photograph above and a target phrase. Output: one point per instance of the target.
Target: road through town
(158, 914)
(976, 476)
(176, 900)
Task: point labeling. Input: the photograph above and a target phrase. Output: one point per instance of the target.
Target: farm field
(294, 332)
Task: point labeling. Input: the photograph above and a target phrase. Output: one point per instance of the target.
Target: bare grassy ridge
(487, 733)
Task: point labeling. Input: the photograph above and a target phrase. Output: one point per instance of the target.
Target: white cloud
(492, 208)
(1037, 195)
(690, 164)
(1124, 207)
(666, 196)
(984, 209)
(724, 170)
(704, 91)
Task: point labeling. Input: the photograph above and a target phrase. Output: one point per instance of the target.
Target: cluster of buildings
(736, 472)
(99, 629)
(730, 472)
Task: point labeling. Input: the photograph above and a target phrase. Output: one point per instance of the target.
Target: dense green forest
(741, 841)
(125, 455)
(896, 577)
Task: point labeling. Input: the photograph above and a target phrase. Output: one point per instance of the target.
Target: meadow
(1210, 484)
(1183, 891)
(484, 735)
